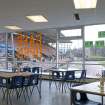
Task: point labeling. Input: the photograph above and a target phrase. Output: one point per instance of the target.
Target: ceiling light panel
(13, 27)
(85, 4)
(71, 33)
(38, 18)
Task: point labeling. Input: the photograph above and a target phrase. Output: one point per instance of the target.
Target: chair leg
(23, 92)
(9, 97)
(4, 93)
(50, 83)
(20, 92)
(27, 93)
(17, 93)
(59, 87)
(39, 91)
(32, 90)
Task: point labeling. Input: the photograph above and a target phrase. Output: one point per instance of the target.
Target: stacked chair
(56, 77)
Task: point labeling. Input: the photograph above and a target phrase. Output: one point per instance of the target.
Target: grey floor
(50, 96)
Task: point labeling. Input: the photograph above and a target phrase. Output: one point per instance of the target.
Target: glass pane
(10, 46)
(36, 49)
(2, 45)
(71, 55)
(2, 51)
(95, 53)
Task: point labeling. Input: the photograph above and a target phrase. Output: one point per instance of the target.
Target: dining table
(91, 88)
(13, 74)
(7, 77)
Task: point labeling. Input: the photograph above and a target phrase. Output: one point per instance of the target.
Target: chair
(32, 81)
(83, 75)
(81, 78)
(17, 82)
(70, 75)
(2, 85)
(26, 69)
(83, 100)
(38, 70)
(56, 77)
(12, 85)
(35, 70)
(68, 79)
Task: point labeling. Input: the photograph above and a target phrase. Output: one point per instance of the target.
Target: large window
(65, 52)
(70, 50)
(35, 49)
(95, 49)
(71, 55)
(2, 51)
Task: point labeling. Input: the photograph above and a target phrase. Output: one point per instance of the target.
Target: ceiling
(59, 13)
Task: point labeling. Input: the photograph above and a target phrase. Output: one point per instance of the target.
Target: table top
(63, 70)
(92, 88)
(12, 74)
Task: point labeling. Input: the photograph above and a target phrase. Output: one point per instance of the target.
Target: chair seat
(3, 85)
(88, 102)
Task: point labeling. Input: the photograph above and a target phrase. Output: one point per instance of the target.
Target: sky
(91, 32)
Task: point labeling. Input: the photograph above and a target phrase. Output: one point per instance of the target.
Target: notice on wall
(99, 44)
(101, 34)
(88, 44)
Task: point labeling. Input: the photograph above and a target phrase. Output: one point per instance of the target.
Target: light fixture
(71, 32)
(37, 18)
(85, 4)
(13, 27)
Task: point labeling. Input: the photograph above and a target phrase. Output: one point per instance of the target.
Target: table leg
(62, 86)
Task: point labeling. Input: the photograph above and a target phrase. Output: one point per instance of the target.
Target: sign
(99, 44)
(89, 44)
(101, 34)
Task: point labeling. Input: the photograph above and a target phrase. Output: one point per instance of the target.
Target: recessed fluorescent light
(71, 33)
(13, 27)
(37, 18)
(85, 4)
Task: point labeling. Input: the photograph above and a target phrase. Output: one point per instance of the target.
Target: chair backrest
(83, 98)
(56, 74)
(35, 70)
(1, 81)
(32, 80)
(83, 74)
(26, 69)
(69, 75)
(16, 82)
